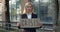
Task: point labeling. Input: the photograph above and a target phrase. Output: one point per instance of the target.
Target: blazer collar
(31, 15)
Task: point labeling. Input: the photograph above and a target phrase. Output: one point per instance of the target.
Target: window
(44, 9)
(0, 11)
(15, 10)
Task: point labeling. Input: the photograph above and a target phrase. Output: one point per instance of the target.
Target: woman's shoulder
(23, 14)
(34, 13)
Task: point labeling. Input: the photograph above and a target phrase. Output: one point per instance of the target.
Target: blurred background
(47, 10)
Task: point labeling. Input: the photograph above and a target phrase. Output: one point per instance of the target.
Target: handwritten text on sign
(29, 22)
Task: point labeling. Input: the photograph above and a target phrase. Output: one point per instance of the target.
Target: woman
(29, 15)
(28, 11)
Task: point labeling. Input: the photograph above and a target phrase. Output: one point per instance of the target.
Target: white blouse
(29, 16)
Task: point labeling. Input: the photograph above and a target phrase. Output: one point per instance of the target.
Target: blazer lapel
(26, 16)
(32, 15)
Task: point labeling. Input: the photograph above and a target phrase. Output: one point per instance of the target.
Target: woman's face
(29, 8)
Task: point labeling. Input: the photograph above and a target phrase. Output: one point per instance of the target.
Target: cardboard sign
(29, 23)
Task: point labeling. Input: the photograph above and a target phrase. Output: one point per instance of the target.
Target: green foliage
(13, 12)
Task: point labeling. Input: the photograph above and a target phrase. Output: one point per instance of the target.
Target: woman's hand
(19, 25)
(40, 24)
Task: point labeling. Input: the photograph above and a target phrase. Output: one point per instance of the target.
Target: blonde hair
(24, 12)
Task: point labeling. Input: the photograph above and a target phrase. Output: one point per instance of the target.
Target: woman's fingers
(19, 24)
(39, 24)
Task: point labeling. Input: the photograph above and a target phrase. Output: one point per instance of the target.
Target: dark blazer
(25, 16)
